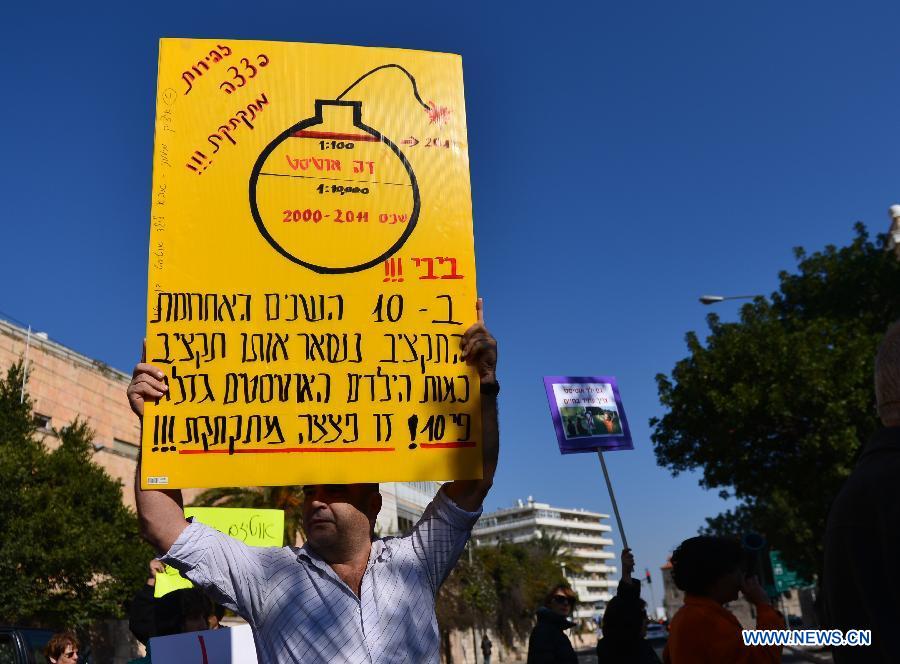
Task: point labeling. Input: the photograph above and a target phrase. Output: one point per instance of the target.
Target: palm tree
(289, 499)
(555, 549)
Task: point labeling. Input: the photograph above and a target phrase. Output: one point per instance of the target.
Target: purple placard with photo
(587, 414)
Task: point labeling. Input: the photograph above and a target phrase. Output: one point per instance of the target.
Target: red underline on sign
(330, 134)
(467, 443)
(289, 450)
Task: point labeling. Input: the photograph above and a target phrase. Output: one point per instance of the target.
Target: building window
(125, 449)
(42, 422)
(404, 525)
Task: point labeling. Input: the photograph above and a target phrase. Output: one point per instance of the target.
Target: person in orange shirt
(709, 571)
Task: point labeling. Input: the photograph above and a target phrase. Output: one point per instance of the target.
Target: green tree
(774, 409)
(500, 587)
(286, 498)
(70, 552)
(467, 600)
(523, 574)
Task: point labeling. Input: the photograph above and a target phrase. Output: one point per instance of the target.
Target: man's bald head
(887, 377)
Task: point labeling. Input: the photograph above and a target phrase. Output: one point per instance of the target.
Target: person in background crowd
(862, 538)
(198, 611)
(486, 646)
(548, 644)
(176, 612)
(62, 649)
(144, 607)
(624, 624)
(182, 610)
(709, 571)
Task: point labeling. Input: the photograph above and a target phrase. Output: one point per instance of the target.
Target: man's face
(333, 513)
(195, 624)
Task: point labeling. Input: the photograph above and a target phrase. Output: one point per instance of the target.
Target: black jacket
(861, 581)
(547, 643)
(640, 652)
(150, 616)
(612, 651)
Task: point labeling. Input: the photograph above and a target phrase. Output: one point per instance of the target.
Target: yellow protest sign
(254, 527)
(168, 581)
(311, 267)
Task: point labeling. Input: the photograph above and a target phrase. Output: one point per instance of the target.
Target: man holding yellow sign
(344, 596)
(311, 273)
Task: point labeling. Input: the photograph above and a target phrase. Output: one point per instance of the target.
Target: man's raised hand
(479, 348)
(627, 563)
(147, 384)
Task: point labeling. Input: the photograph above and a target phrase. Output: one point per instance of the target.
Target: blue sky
(626, 158)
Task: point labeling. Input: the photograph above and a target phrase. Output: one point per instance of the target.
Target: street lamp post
(713, 299)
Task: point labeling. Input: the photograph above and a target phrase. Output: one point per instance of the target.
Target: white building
(402, 503)
(584, 536)
(894, 232)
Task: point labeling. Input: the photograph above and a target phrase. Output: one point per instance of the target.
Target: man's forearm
(470, 494)
(160, 513)
(490, 437)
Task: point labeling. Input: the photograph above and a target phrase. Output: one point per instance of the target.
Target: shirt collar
(306, 552)
(379, 553)
(708, 603)
(699, 600)
(547, 615)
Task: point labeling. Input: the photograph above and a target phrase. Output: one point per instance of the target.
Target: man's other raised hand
(147, 384)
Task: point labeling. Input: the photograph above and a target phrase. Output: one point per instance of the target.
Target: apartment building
(584, 536)
(402, 503)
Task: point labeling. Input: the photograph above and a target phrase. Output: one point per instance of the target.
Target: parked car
(23, 645)
(657, 631)
(658, 636)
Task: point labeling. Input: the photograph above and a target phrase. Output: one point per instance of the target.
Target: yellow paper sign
(168, 581)
(311, 267)
(255, 527)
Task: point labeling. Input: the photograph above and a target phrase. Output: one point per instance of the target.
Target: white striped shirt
(301, 611)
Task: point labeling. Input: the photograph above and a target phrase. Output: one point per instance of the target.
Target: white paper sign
(229, 645)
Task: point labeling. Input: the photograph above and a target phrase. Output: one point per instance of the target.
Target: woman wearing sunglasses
(62, 649)
(548, 642)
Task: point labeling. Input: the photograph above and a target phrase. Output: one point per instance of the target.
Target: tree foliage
(286, 498)
(774, 409)
(468, 597)
(501, 587)
(70, 552)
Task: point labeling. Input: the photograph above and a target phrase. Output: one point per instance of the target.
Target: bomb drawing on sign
(333, 194)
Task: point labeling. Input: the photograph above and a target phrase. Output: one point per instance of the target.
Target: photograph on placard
(587, 413)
